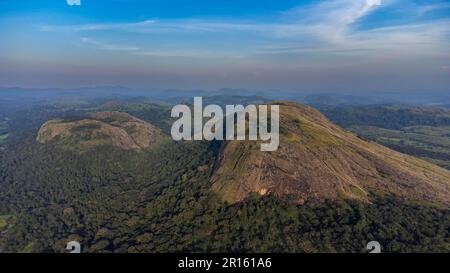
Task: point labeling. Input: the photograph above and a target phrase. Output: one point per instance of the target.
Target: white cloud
(433, 7)
(177, 53)
(73, 2)
(373, 2)
(331, 17)
(107, 46)
(91, 27)
(327, 27)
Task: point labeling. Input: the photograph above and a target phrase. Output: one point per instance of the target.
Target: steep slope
(318, 160)
(118, 129)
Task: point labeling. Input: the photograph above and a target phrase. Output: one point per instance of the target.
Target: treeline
(389, 117)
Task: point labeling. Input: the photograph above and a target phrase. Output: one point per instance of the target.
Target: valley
(419, 131)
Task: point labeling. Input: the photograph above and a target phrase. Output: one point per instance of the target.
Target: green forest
(159, 200)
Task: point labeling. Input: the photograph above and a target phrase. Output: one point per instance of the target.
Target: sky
(326, 46)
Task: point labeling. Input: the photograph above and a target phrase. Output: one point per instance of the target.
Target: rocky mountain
(118, 129)
(318, 160)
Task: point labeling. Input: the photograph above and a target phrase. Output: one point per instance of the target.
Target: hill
(317, 160)
(119, 129)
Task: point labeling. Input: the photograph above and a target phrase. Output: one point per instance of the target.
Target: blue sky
(334, 45)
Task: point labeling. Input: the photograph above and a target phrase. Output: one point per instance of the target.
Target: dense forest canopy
(159, 200)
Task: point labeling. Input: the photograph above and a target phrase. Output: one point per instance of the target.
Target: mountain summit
(318, 160)
(118, 129)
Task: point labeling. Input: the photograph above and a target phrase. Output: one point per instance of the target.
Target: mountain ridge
(318, 160)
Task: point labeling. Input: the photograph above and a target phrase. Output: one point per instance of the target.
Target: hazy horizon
(310, 46)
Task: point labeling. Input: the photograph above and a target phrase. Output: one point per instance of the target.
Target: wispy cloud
(341, 12)
(335, 12)
(100, 45)
(185, 54)
(328, 27)
(107, 46)
(433, 7)
(74, 2)
(134, 26)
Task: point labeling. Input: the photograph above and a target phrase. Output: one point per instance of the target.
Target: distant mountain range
(331, 98)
